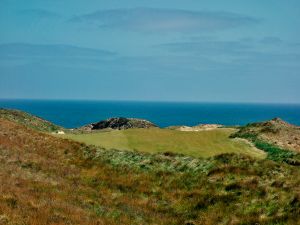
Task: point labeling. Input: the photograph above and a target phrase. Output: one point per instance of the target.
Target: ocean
(71, 114)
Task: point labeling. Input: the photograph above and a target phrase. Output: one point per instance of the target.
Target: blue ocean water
(72, 114)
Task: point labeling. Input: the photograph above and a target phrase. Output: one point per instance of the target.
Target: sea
(75, 113)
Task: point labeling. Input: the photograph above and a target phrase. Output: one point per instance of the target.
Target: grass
(49, 180)
(273, 152)
(29, 120)
(155, 140)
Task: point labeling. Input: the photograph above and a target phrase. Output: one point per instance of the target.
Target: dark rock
(120, 123)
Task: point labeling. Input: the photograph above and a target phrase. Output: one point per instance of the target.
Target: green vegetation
(155, 140)
(50, 180)
(273, 152)
(29, 120)
(279, 139)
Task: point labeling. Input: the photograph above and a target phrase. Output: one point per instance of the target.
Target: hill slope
(29, 120)
(49, 180)
(275, 131)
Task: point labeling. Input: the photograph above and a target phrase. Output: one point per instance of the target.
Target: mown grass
(49, 180)
(155, 140)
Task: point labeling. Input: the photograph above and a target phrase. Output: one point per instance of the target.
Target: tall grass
(273, 152)
(49, 180)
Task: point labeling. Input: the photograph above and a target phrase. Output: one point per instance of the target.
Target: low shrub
(274, 153)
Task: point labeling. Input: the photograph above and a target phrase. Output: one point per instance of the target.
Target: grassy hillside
(275, 131)
(199, 144)
(279, 139)
(49, 180)
(29, 120)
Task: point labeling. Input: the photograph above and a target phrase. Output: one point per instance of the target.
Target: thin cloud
(22, 53)
(271, 41)
(39, 13)
(236, 52)
(35, 50)
(164, 20)
(207, 47)
(211, 45)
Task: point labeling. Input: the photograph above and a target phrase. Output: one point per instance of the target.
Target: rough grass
(273, 151)
(275, 132)
(29, 120)
(198, 144)
(49, 180)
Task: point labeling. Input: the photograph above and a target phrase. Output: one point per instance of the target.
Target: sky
(170, 50)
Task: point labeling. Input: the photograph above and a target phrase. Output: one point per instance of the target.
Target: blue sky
(192, 50)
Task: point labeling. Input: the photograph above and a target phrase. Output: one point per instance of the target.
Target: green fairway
(199, 144)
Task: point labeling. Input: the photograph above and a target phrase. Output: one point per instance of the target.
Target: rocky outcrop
(119, 123)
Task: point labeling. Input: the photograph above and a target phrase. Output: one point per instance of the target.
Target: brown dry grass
(38, 184)
(47, 180)
(276, 132)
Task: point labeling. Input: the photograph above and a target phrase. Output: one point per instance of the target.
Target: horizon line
(149, 101)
